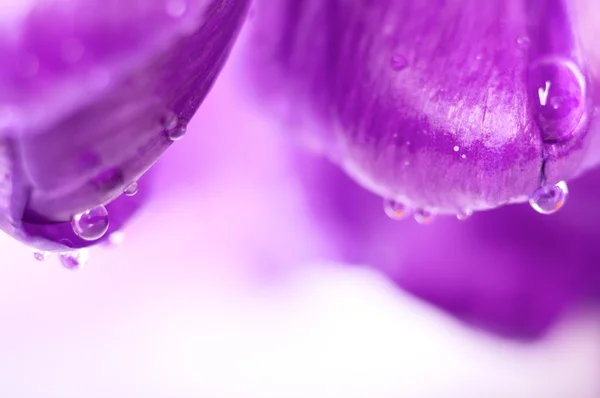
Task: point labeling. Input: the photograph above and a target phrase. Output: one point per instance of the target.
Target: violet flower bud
(91, 93)
(442, 106)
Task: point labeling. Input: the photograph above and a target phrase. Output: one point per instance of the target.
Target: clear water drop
(177, 133)
(41, 255)
(557, 89)
(395, 210)
(174, 130)
(398, 62)
(464, 214)
(549, 199)
(91, 224)
(74, 259)
(131, 189)
(423, 216)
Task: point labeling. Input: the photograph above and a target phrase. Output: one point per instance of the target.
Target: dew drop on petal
(464, 214)
(177, 133)
(131, 189)
(395, 210)
(557, 90)
(91, 224)
(74, 259)
(173, 129)
(41, 255)
(423, 216)
(398, 62)
(549, 198)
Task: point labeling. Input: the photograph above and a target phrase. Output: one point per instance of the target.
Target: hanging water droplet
(74, 259)
(174, 130)
(398, 62)
(423, 216)
(549, 198)
(464, 214)
(557, 89)
(395, 210)
(41, 255)
(177, 133)
(131, 189)
(91, 224)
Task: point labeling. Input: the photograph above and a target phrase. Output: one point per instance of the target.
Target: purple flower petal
(512, 271)
(94, 93)
(441, 105)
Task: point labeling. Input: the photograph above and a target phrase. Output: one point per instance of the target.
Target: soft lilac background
(220, 289)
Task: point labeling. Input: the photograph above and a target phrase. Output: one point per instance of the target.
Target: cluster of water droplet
(398, 211)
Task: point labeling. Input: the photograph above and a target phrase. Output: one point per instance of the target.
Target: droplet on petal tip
(548, 199)
(91, 224)
(423, 216)
(558, 89)
(395, 210)
(131, 189)
(464, 214)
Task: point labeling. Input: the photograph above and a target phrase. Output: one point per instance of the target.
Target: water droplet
(557, 90)
(92, 224)
(456, 148)
(463, 156)
(464, 214)
(177, 133)
(173, 129)
(398, 62)
(41, 255)
(131, 189)
(523, 41)
(74, 259)
(395, 210)
(176, 8)
(549, 198)
(423, 216)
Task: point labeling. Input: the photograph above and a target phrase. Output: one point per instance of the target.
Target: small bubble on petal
(423, 216)
(131, 189)
(395, 210)
(549, 199)
(398, 62)
(464, 214)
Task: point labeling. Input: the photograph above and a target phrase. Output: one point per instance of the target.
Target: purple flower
(439, 107)
(443, 106)
(447, 107)
(92, 93)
